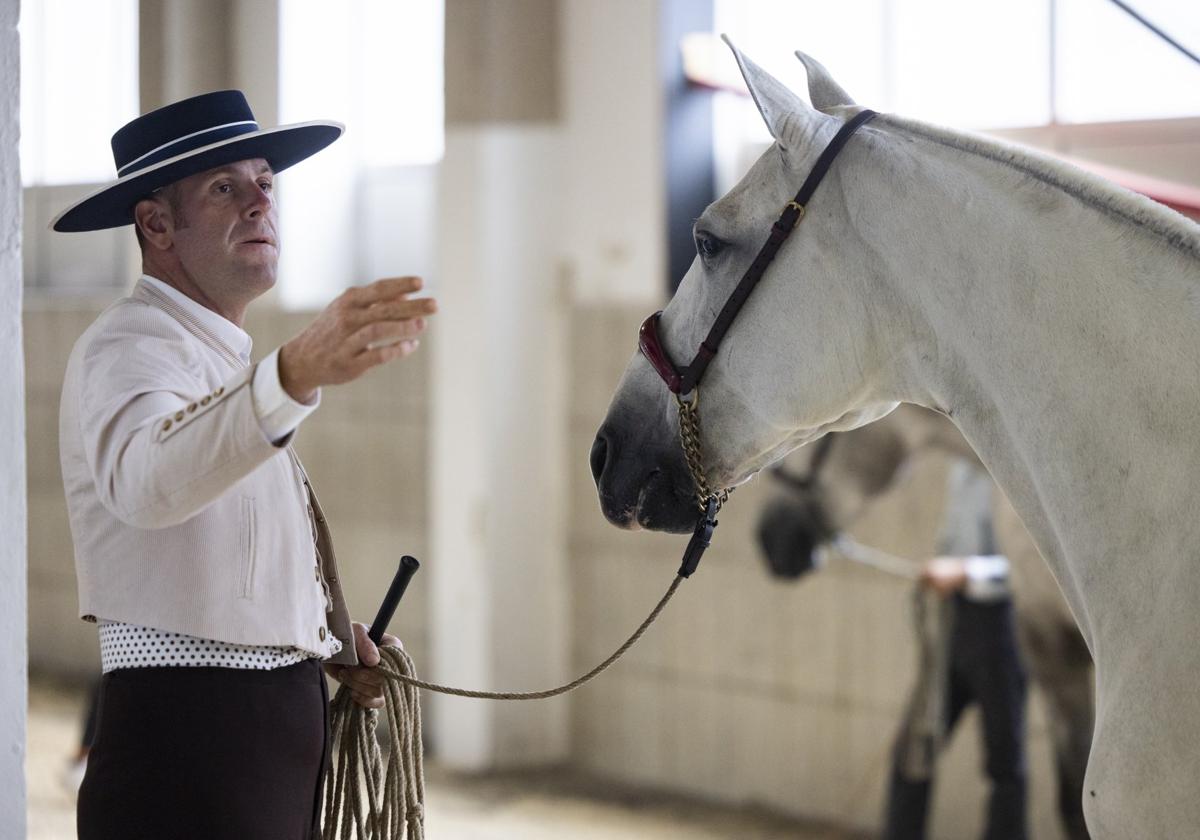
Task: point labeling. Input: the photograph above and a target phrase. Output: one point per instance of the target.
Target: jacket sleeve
(160, 442)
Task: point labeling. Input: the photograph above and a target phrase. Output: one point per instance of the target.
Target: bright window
(1112, 68)
(79, 80)
(376, 66)
(983, 65)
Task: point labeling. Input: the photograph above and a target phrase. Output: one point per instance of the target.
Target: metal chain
(689, 436)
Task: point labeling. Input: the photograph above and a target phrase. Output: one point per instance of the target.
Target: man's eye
(707, 245)
(225, 188)
(265, 186)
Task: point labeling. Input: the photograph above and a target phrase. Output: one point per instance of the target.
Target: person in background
(968, 655)
(201, 551)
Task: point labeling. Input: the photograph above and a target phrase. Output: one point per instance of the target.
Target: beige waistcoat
(184, 516)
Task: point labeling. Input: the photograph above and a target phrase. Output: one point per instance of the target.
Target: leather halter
(682, 381)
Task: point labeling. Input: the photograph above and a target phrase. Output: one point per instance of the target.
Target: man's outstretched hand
(365, 326)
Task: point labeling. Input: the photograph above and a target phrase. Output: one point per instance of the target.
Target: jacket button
(205, 400)
(321, 634)
(178, 416)
(191, 407)
(219, 391)
(166, 426)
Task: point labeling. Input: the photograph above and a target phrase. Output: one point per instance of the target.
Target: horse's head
(798, 361)
(822, 489)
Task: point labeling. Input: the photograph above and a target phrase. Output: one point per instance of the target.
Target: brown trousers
(207, 753)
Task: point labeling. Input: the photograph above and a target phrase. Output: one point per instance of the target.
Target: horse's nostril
(599, 456)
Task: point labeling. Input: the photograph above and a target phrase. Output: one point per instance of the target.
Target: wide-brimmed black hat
(183, 139)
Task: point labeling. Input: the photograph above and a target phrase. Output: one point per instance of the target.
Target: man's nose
(260, 202)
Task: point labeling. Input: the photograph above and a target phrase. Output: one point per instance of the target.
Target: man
(968, 655)
(201, 551)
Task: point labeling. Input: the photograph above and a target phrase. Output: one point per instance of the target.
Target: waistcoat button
(321, 634)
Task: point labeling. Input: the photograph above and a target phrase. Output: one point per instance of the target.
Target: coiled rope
(370, 797)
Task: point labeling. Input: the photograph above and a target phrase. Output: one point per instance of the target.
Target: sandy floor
(528, 806)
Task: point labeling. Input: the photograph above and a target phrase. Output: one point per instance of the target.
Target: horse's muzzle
(643, 490)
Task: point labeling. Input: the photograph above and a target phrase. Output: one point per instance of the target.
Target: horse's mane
(1179, 232)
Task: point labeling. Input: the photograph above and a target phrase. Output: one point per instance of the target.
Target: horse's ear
(785, 114)
(823, 91)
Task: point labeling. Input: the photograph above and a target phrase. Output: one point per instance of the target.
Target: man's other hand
(365, 683)
(944, 575)
(364, 327)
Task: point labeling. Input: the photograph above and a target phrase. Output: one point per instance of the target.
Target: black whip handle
(408, 568)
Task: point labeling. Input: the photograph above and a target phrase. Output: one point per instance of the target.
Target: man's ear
(153, 218)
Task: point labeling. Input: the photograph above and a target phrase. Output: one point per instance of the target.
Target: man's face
(225, 229)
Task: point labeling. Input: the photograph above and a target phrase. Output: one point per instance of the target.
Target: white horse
(1054, 317)
(824, 489)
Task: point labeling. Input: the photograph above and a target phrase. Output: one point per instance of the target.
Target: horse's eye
(707, 245)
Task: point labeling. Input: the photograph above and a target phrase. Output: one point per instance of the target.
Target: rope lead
(368, 797)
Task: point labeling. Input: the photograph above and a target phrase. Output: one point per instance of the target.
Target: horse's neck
(922, 429)
(1062, 339)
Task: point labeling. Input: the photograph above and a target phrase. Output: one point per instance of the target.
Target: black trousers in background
(195, 753)
(985, 668)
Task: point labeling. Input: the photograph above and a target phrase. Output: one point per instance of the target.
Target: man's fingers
(367, 702)
(389, 287)
(400, 308)
(368, 654)
(383, 333)
(364, 679)
(395, 310)
(386, 352)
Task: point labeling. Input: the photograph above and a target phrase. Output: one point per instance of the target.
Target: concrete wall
(12, 434)
(502, 61)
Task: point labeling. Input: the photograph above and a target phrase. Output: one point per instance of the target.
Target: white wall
(13, 690)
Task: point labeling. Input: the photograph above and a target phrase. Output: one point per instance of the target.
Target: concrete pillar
(254, 55)
(185, 48)
(188, 47)
(498, 562)
(13, 688)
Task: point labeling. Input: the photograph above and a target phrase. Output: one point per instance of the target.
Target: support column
(13, 581)
(498, 562)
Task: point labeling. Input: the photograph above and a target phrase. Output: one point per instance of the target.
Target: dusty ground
(513, 806)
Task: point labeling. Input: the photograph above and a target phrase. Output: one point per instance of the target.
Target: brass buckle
(800, 211)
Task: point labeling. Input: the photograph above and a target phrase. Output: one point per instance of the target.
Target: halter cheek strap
(682, 381)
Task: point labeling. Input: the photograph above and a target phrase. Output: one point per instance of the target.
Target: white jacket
(184, 516)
